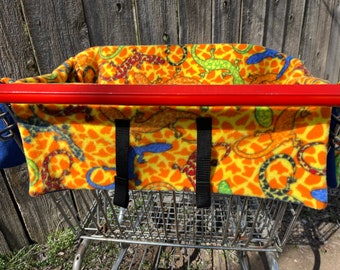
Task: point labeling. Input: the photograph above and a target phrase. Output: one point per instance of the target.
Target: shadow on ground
(315, 241)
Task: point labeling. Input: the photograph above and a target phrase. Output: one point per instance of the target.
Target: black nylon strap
(204, 142)
(121, 196)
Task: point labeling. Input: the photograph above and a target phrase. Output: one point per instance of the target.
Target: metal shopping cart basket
(159, 215)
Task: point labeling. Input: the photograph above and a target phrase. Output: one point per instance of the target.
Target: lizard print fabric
(268, 152)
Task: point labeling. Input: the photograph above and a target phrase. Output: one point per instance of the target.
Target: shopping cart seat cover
(269, 152)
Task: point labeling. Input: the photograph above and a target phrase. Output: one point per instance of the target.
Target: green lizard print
(110, 56)
(246, 50)
(217, 64)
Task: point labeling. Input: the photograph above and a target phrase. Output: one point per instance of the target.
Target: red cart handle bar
(172, 95)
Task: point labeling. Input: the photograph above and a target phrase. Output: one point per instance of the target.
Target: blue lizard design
(285, 66)
(95, 185)
(139, 151)
(320, 194)
(258, 57)
(270, 53)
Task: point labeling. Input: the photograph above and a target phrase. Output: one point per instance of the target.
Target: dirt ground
(314, 243)
(313, 256)
(318, 245)
(305, 257)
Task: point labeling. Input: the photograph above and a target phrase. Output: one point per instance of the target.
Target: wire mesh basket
(172, 219)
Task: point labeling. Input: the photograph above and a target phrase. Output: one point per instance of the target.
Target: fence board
(274, 24)
(195, 19)
(10, 239)
(16, 61)
(83, 202)
(253, 21)
(316, 29)
(226, 21)
(110, 22)
(4, 248)
(39, 214)
(332, 72)
(57, 29)
(293, 27)
(163, 21)
(16, 56)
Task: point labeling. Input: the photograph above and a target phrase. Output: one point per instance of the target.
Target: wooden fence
(37, 35)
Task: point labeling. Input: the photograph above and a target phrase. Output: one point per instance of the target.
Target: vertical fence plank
(156, 18)
(110, 22)
(10, 239)
(293, 27)
(4, 248)
(57, 29)
(253, 21)
(275, 25)
(16, 61)
(39, 214)
(332, 72)
(195, 18)
(315, 31)
(226, 21)
(16, 56)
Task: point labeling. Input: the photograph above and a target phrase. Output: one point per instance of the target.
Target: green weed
(55, 254)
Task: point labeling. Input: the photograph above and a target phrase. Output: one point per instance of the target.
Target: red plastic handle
(196, 95)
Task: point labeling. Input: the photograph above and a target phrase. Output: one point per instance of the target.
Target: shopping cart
(205, 85)
(170, 219)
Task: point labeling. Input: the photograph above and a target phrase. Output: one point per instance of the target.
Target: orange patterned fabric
(271, 152)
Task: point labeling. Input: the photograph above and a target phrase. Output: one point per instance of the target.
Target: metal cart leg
(244, 261)
(120, 259)
(272, 260)
(80, 254)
